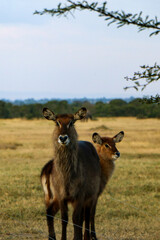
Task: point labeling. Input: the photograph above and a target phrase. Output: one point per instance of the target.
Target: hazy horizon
(24, 96)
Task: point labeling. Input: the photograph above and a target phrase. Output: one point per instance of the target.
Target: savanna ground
(128, 209)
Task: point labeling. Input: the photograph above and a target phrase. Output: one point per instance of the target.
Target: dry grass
(129, 207)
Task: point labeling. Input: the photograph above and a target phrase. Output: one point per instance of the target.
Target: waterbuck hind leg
(87, 221)
(92, 220)
(50, 213)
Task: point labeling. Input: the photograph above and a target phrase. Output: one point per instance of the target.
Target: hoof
(94, 238)
(51, 238)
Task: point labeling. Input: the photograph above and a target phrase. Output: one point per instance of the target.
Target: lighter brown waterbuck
(108, 153)
(75, 177)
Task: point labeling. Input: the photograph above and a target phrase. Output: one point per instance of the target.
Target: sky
(73, 57)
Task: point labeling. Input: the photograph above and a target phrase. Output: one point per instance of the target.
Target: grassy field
(128, 209)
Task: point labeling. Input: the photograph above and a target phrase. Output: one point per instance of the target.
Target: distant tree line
(115, 108)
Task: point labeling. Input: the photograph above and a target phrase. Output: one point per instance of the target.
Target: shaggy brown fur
(106, 149)
(75, 177)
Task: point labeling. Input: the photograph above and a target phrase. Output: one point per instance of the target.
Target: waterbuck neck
(66, 156)
(66, 165)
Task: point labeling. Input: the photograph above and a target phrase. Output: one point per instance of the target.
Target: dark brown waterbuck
(108, 153)
(74, 178)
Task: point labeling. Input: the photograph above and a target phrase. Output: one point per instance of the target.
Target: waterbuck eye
(107, 146)
(58, 124)
(70, 124)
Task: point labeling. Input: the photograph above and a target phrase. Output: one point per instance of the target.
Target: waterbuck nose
(63, 138)
(118, 154)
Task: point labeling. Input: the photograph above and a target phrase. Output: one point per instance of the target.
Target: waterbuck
(108, 153)
(74, 178)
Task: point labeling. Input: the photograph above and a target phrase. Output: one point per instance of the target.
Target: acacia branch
(119, 17)
(149, 74)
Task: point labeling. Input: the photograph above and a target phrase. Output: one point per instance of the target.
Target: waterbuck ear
(48, 114)
(118, 138)
(80, 114)
(96, 138)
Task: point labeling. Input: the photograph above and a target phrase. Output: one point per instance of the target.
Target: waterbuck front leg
(51, 211)
(77, 218)
(64, 218)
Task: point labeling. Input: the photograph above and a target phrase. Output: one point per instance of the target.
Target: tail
(46, 181)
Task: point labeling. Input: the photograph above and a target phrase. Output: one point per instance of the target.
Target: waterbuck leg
(64, 218)
(51, 212)
(87, 220)
(77, 218)
(92, 219)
